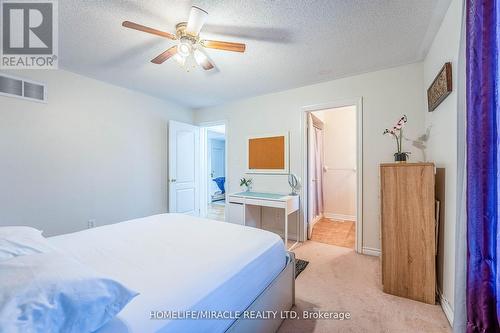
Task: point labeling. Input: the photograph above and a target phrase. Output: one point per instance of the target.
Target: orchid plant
(247, 182)
(397, 133)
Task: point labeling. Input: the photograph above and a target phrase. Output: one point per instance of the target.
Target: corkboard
(266, 153)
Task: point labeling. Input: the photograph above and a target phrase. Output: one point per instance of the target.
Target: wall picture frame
(268, 154)
(440, 88)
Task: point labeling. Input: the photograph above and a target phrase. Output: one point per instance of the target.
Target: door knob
(173, 180)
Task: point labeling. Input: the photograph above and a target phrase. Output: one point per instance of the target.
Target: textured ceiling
(290, 43)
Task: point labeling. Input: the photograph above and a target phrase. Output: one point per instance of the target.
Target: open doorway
(333, 154)
(213, 198)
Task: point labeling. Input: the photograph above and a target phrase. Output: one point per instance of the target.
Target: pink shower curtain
(317, 164)
(318, 169)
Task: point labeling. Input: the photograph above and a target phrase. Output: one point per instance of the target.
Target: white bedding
(177, 263)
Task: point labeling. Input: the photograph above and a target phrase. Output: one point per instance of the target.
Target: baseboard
(370, 251)
(340, 217)
(316, 219)
(445, 305)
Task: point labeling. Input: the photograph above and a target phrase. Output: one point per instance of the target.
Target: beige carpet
(338, 279)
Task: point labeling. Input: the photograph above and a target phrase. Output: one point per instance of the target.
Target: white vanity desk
(246, 208)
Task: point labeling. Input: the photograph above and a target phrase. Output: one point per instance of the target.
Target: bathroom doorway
(333, 181)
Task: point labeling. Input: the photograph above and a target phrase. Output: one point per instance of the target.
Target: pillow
(52, 292)
(20, 241)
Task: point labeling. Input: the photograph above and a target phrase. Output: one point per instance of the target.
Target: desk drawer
(236, 199)
(236, 213)
(266, 203)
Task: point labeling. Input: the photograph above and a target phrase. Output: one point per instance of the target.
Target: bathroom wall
(339, 177)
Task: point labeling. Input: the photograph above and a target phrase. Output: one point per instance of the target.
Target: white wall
(339, 180)
(387, 94)
(94, 151)
(443, 138)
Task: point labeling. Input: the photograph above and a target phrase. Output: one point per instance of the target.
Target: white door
(218, 160)
(183, 168)
(217, 163)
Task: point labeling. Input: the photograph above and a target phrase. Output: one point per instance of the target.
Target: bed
(182, 263)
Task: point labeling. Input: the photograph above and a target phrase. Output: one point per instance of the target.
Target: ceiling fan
(189, 45)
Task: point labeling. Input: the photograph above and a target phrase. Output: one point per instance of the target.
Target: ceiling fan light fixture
(187, 63)
(185, 48)
(200, 57)
(202, 60)
(180, 59)
(189, 48)
(197, 18)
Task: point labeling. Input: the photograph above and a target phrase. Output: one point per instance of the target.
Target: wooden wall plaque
(440, 88)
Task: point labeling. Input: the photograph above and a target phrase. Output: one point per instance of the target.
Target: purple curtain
(483, 114)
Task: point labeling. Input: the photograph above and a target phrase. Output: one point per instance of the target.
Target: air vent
(11, 86)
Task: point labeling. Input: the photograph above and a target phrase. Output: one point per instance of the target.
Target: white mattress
(178, 263)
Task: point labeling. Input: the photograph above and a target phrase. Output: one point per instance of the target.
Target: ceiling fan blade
(135, 26)
(202, 60)
(226, 46)
(197, 18)
(165, 55)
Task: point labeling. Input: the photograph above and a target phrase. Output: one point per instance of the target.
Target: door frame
(358, 102)
(204, 164)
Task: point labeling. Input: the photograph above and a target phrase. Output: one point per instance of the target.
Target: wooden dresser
(408, 230)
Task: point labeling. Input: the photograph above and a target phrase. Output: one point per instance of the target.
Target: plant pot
(246, 188)
(400, 157)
